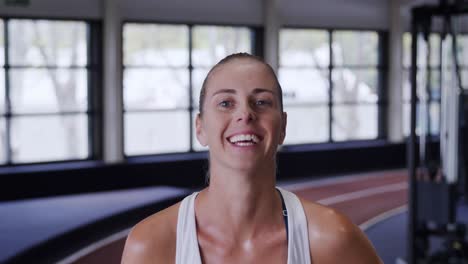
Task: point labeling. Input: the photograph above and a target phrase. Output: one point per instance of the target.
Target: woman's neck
(241, 203)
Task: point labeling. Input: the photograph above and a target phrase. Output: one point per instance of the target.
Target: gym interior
(98, 101)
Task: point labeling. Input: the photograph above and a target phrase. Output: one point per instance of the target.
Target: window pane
(157, 45)
(447, 51)
(304, 85)
(198, 76)
(406, 85)
(355, 85)
(212, 43)
(352, 122)
(159, 132)
(406, 49)
(304, 47)
(462, 41)
(421, 80)
(2, 141)
(435, 84)
(434, 111)
(434, 115)
(155, 88)
(464, 77)
(2, 44)
(422, 50)
(355, 48)
(406, 118)
(307, 125)
(41, 42)
(47, 90)
(46, 138)
(434, 40)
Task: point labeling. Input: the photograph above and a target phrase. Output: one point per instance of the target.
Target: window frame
(92, 113)
(382, 85)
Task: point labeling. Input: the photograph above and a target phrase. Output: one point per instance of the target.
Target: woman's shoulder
(334, 238)
(325, 220)
(153, 239)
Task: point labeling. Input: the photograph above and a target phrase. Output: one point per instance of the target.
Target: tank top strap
(298, 235)
(187, 250)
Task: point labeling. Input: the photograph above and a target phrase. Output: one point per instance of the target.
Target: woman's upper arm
(335, 239)
(152, 240)
(136, 248)
(354, 247)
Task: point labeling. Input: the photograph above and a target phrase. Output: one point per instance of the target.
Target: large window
(429, 70)
(331, 81)
(164, 67)
(44, 83)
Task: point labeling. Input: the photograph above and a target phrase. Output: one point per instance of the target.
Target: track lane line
(93, 247)
(363, 193)
(299, 186)
(383, 216)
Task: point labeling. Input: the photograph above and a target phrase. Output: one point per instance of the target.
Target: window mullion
(382, 86)
(190, 86)
(330, 89)
(94, 91)
(8, 148)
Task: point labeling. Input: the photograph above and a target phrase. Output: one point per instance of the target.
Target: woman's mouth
(244, 140)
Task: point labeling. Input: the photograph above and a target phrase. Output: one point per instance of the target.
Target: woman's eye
(225, 104)
(263, 102)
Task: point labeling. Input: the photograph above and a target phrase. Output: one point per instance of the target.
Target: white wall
(370, 14)
(91, 9)
(366, 14)
(208, 11)
(317, 13)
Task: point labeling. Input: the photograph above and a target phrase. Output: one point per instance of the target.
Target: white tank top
(187, 250)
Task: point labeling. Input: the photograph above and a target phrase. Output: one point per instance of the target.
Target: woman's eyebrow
(233, 91)
(262, 90)
(229, 91)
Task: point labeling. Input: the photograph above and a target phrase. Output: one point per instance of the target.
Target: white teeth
(255, 139)
(246, 137)
(244, 144)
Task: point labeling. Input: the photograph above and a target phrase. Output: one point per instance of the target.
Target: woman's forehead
(242, 75)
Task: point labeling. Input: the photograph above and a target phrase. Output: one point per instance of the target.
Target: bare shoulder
(153, 240)
(334, 238)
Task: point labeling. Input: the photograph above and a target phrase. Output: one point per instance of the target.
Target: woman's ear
(200, 131)
(283, 128)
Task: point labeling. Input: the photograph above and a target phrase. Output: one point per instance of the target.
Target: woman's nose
(246, 114)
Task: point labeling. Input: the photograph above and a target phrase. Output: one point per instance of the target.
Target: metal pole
(412, 250)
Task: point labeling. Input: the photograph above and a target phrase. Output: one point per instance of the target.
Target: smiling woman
(242, 217)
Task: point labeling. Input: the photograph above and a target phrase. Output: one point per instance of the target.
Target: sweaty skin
(238, 215)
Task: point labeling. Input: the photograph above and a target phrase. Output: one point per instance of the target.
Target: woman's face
(242, 122)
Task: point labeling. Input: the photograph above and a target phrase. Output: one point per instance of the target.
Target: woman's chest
(268, 251)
